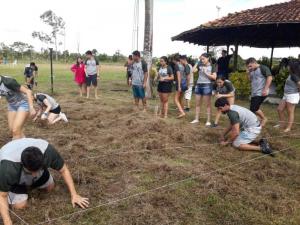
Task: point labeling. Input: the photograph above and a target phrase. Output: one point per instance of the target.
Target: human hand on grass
(224, 143)
(32, 112)
(80, 201)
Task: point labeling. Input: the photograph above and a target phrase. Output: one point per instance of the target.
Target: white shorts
(291, 98)
(188, 93)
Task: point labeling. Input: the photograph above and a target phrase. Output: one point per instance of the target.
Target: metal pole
(137, 25)
(271, 59)
(51, 68)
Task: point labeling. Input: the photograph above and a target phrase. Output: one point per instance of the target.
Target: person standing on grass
(20, 105)
(203, 90)
(128, 66)
(165, 77)
(52, 111)
(92, 71)
(79, 71)
(31, 73)
(243, 130)
(188, 93)
(24, 166)
(291, 96)
(222, 67)
(223, 88)
(139, 79)
(261, 80)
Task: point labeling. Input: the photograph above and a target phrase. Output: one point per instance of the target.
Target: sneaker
(265, 147)
(208, 124)
(187, 109)
(195, 121)
(277, 126)
(214, 125)
(64, 117)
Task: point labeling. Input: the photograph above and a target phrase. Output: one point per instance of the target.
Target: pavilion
(273, 26)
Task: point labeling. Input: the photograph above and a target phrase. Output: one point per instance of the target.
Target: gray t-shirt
(203, 78)
(258, 79)
(243, 116)
(10, 89)
(226, 89)
(138, 73)
(40, 97)
(165, 72)
(91, 66)
(11, 169)
(290, 86)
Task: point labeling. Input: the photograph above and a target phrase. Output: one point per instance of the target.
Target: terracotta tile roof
(287, 12)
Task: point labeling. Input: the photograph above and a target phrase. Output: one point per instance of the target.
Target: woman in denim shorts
(203, 89)
(20, 105)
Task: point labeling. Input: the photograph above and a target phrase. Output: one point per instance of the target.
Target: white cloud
(107, 25)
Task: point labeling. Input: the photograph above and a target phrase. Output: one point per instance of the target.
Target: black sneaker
(214, 125)
(265, 147)
(187, 109)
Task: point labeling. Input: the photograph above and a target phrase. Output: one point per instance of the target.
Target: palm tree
(148, 40)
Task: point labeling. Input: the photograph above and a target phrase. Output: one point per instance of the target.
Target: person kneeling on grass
(244, 128)
(52, 110)
(24, 165)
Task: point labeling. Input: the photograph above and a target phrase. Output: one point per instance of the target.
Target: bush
(280, 79)
(241, 83)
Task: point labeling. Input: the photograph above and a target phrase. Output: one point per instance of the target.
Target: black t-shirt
(223, 63)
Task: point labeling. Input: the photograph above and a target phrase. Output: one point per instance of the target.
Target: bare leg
(262, 117)
(165, 103)
(96, 92)
(198, 105)
(20, 205)
(249, 147)
(83, 88)
(161, 110)
(53, 118)
(11, 118)
(207, 100)
(218, 115)
(144, 101)
(88, 89)
(80, 89)
(178, 103)
(18, 124)
(291, 115)
(280, 110)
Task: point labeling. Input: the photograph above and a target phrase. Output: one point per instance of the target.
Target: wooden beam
(271, 58)
(235, 57)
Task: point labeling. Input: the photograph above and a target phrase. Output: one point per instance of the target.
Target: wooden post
(236, 57)
(271, 58)
(51, 69)
(207, 49)
(228, 49)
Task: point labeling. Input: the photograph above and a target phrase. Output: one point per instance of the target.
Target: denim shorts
(203, 89)
(19, 106)
(138, 91)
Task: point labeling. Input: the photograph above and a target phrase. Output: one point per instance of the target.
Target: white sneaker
(195, 121)
(208, 124)
(64, 117)
(277, 126)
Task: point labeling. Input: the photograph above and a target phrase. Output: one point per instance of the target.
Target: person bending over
(31, 73)
(244, 128)
(24, 165)
(52, 111)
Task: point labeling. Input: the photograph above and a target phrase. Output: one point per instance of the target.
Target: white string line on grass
(117, 152)
(16, 215)
(238, 165)
(203, 113)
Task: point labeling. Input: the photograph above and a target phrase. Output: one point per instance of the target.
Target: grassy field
(139, 169)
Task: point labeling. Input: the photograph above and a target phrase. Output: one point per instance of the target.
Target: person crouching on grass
(291, 97)
(20, 105)
(243, 130)
(52, 111)
(139, 79)
(165, 77)
(24, 165)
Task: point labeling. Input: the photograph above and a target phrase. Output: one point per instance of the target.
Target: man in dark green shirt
(24, 165)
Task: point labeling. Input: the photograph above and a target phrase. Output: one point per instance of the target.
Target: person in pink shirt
(78, 70)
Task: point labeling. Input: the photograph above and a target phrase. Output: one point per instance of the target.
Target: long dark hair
(294, 66)
(165, 58)
(77, 63)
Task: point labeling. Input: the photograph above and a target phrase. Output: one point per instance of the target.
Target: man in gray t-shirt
(92, 71)
(261, 80)
(244, 128)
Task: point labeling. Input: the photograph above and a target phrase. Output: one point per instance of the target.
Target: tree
(148, 40)
(57, 25)
(19, 47)
(95, 52)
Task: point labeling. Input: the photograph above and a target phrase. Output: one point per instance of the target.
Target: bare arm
(48, 105)
(145, 79)
(229, 95)
(4, 209)
(267, 86)
(30, 99)
(98, 70)
(75, 198)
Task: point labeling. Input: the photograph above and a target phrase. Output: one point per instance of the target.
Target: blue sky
(107, 25)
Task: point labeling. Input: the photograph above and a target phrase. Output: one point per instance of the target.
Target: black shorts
(256, 102)
(91, 80)
(164, 87)
(57, 110)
